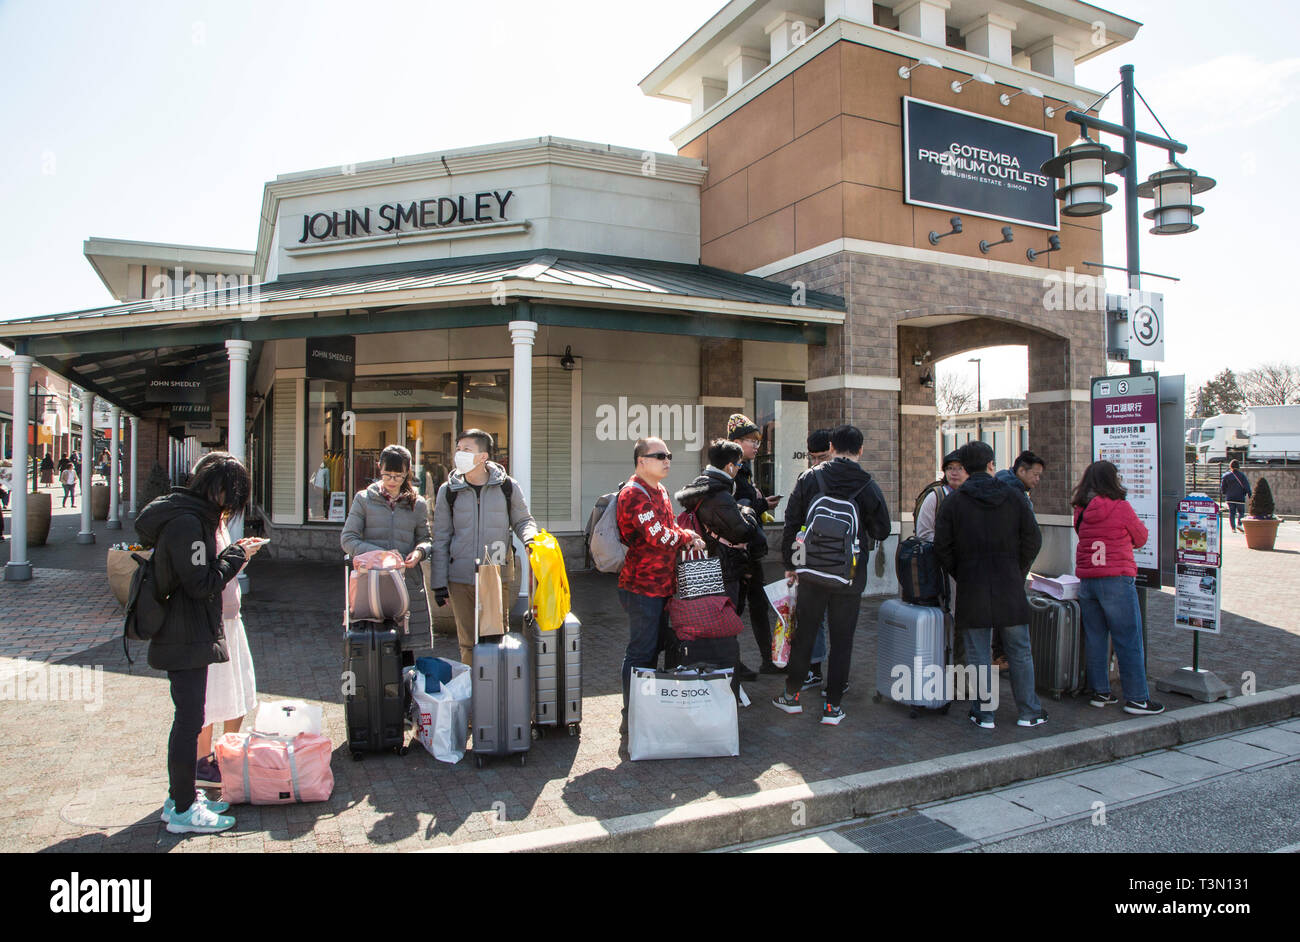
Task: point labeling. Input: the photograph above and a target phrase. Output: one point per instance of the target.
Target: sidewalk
(78, 778)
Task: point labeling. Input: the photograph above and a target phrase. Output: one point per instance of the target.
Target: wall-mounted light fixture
(905, 71)
(919, 357)
(927, 379)
(567, 361)
(982, 77)
(1052, 240)
(955, 222)
(1007, 236)
(1027, 90)
(1075, 104)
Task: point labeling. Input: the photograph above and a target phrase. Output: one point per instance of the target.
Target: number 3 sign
(1146, 325)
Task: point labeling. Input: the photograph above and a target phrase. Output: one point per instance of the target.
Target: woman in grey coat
(390, 515)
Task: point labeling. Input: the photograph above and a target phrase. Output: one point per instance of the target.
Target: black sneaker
(788, 703)
(1037, 719)
(982, 720)
(1102, 699)
(832, 715)
(768, 668)
(813, 680)
(1143, 707)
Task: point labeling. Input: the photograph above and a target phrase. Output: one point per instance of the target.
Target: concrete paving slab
(1274, 738)
(1230, 753)
(1055, 798)
(1177, 767)
(1290, 725)
(826, 843)
(984, 816)
(1119, 783)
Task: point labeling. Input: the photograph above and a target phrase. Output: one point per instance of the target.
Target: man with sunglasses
(647, 525)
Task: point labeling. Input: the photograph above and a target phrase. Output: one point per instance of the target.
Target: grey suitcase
(1056, 640)
(557, 677)
(502, 702)
(907, 636)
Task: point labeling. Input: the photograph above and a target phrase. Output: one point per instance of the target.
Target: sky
(162, 121)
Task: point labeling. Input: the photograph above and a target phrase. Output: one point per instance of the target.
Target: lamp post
(979, 401)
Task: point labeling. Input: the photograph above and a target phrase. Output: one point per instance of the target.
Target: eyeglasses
(393, 475)
(661, 455)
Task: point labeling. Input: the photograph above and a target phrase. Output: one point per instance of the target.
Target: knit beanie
(738, 426)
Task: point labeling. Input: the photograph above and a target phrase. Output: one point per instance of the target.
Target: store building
(570, 296)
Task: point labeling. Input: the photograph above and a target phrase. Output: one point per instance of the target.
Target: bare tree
(1272, 384)
(954, 394)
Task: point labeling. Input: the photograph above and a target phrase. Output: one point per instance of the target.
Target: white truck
(1261, 435)
(1274, 433)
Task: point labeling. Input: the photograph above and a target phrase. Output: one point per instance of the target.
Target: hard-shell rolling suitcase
(912, 649)
(1056, 640)
(502, 704)
(557, 678)
(374, 699)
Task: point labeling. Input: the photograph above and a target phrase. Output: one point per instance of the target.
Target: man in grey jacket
(474, 514)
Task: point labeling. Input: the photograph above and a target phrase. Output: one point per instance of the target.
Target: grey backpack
(605, 546)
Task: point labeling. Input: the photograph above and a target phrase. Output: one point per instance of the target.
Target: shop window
(486, 406)
(327, 485)
(781, 412)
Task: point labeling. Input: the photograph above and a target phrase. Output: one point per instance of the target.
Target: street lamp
(1084, 165)
(979, 402)
(1173, 188)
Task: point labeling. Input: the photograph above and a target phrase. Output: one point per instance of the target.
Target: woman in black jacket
(182, 527)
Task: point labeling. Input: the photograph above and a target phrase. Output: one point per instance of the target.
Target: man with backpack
(986, 537)
(1235, 488)
(834, 516)
(647, 527)
(476, 510)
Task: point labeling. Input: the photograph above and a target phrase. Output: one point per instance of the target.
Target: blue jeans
(647, 615)
(1236, 512)
(1110, 604)
(1015, 641)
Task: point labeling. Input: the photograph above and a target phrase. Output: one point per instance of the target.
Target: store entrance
(427, 435)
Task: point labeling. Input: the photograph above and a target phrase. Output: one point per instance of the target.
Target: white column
(859, 11)
(238, 351)
(787, 32)
(523, 334)
(87, 535)
(990, 36)
(927, 19)
(1053, 56)
(742, 65)
(4, 431)
(115, 471)
(18, 569)
(708, 92)
(135, 455)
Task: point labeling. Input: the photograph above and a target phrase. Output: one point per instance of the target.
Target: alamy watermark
(622, 421)
(916, 682)
(181, 290)
(54, 682)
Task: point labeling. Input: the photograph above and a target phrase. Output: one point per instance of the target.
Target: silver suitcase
(502, 702)
(557, 669)
(911, 636)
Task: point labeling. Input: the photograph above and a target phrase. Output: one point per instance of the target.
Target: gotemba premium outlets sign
(439, 212)
(967, 163)
(332, 358)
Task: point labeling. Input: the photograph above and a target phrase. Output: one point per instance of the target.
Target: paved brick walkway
(77, 778)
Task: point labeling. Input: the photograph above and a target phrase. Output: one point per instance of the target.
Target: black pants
(759, 620)
(813, 604)
(69, 490)
(189, 694)
(716, 652)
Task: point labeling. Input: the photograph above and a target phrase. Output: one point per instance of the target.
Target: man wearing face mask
(475, 512)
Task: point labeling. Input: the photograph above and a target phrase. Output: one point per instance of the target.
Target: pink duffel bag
(258, 769)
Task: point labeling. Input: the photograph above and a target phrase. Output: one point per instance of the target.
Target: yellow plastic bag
(551, 595)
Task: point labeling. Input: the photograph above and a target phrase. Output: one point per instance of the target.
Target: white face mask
(464, 461)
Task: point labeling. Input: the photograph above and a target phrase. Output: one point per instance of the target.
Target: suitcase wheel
(876, 697)
(912, 714)
(1056, 694)
(358, 756)
(943, 710)
(538, 733)
(575, 728)
(401, 750)
(522, 758)
(479, 762)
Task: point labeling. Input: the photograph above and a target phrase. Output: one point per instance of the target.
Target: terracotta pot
(38, 518)
(99, 501)
(121, 567)
(1260, 534)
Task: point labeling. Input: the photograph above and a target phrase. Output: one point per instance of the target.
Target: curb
(722, 822)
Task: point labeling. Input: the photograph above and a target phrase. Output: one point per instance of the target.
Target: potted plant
(1260, 523)
(39, 509)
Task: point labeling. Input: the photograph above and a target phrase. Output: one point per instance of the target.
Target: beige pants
(462, 607)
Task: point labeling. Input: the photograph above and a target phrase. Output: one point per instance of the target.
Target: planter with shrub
(1260, 522)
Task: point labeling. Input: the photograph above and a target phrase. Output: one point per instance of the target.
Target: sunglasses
(661, 455)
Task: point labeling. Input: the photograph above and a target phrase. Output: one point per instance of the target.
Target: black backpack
(146, 604)
(829, 537)
(937, 488)
(507, 491)
(920, 578)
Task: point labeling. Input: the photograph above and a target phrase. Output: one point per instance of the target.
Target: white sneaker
(199, 819)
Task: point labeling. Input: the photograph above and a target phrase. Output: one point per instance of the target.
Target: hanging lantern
(1173, 189)
(1084, 166)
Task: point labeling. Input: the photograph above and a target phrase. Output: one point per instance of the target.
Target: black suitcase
(374, 693)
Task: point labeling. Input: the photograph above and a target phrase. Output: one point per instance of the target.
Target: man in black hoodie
(841, 477)
(986, 538)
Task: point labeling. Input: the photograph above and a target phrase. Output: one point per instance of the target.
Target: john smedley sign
(963, 162)
(433, 213)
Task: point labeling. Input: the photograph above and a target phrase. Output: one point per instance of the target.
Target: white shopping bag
(682, 715)
(442, 718)
(288, 718)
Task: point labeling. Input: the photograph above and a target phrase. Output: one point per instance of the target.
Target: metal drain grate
(906, 834)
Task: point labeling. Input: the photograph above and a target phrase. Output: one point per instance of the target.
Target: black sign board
(332, 358)
(967, 163)
(192, 412)
(175, 384)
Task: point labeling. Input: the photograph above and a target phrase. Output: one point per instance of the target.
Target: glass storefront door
(430, 438)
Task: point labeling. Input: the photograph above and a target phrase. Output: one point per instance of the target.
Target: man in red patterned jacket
(647, 525)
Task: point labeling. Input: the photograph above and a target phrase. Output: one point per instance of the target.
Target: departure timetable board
(1126, 432)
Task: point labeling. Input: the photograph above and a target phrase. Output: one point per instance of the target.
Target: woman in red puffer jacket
(1109, 531)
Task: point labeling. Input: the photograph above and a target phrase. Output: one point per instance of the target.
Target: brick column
(1052, 423)
(918, 415)
(722, 388)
